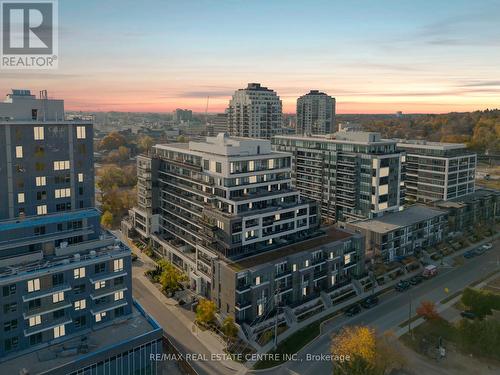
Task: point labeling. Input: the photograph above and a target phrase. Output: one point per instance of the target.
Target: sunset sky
(373, 56)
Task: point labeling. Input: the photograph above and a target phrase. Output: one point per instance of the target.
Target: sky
(373, 56)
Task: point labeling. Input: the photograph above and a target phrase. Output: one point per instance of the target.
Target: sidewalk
(212, 342)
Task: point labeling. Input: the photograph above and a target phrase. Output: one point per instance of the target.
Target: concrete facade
(315, 113)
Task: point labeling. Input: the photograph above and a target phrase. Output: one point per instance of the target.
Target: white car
(487, 246)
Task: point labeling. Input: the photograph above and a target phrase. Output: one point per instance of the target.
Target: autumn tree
(229, 328)
(112, 141)
(427, 310)
(170, 277)
(205, 311)
(107, 219)
(145, 143)
(367, 354)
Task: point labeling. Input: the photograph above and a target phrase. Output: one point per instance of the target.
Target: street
(393, 309)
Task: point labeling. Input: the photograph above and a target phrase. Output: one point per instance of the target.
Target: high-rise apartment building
(217, 124)
(183, 116)
(315, 113)
(438, 171)
(228, 211)
(64, 282)
(354, 175)
(255, 112)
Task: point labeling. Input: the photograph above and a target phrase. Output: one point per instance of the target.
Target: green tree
(107, 219)
(480, 302)
(229, 328)
(170, 277)
(205, 311)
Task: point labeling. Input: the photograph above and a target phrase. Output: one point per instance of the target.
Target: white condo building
(255, 112)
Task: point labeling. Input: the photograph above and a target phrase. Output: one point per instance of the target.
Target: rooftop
(403, 143)
(97, 340)
(395, 220)
(327, 235)
(352, 137)
(461, 201)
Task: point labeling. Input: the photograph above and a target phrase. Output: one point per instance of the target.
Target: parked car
(469, 254)
(487, 246)
(479, 250)
(468, 315)
(369, 302)
(353, 310)
(402, 285)
(416, 279)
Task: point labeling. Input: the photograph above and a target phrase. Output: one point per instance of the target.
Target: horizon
(374, 58)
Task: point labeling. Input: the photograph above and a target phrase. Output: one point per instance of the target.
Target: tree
(367, 354)
(182, 139)
(480, 302)
(112, 141)
(229, 328)
(427, 310)
(170, 277)
(107, 219)
(145, 143)
(205, 311)
(123, 153)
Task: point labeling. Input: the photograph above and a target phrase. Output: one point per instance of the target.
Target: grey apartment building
(255, 111)
(315, 113)
(227, 200)
(353, 175)
(65, 284)
(402, 233)
(437, 171)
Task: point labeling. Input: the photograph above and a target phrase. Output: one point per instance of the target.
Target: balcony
(47, 325)
(104, 307)
(107, 291)
(46, 292)
(46, 308)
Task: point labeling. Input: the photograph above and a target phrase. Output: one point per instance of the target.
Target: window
(100, 284)
(80, 305)
(9, 290)
(347, 258)
(11, 343)
(34, 304)
(19, 152)
(80, 177)
(10, 325)
(57, 279)
(33, 285)
(118, 265)
(57, 314)
(100, 267)
(20, 198)
(119, 295)
(304, 291)
(79, 272)
(58, 297)
(35, 320)
(218, 167)
(333, 280)
(59, 331)
(257, 280)
(62, 193)
(41, 181)
(10, 307)
(80, 132)
(307, 263)
(80, 321)
(38, 133)
(100, 316)
(294, 268)
(36, 338)
(61, 165)
(41, 210)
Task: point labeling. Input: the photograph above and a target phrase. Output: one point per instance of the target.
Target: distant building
(255, 112)
(481, 208)
(217, 124)
(315, 113)
(66, 284)
(402, 233)
(437, 171)
(183, 116)
(349, 127)
(353, 175)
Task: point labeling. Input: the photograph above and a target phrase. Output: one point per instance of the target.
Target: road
(393, 309)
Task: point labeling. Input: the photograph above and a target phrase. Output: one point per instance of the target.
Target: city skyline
(373, 57)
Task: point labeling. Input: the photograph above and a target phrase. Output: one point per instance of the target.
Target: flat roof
(431, 145)
(98, 339)
(352, 139)
(395, 220)
(327, 235)
(461, 201)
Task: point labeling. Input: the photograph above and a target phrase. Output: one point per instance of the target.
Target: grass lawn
(427, 335)
(292, 344)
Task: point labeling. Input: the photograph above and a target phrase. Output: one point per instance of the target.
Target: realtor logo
(29, 34)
